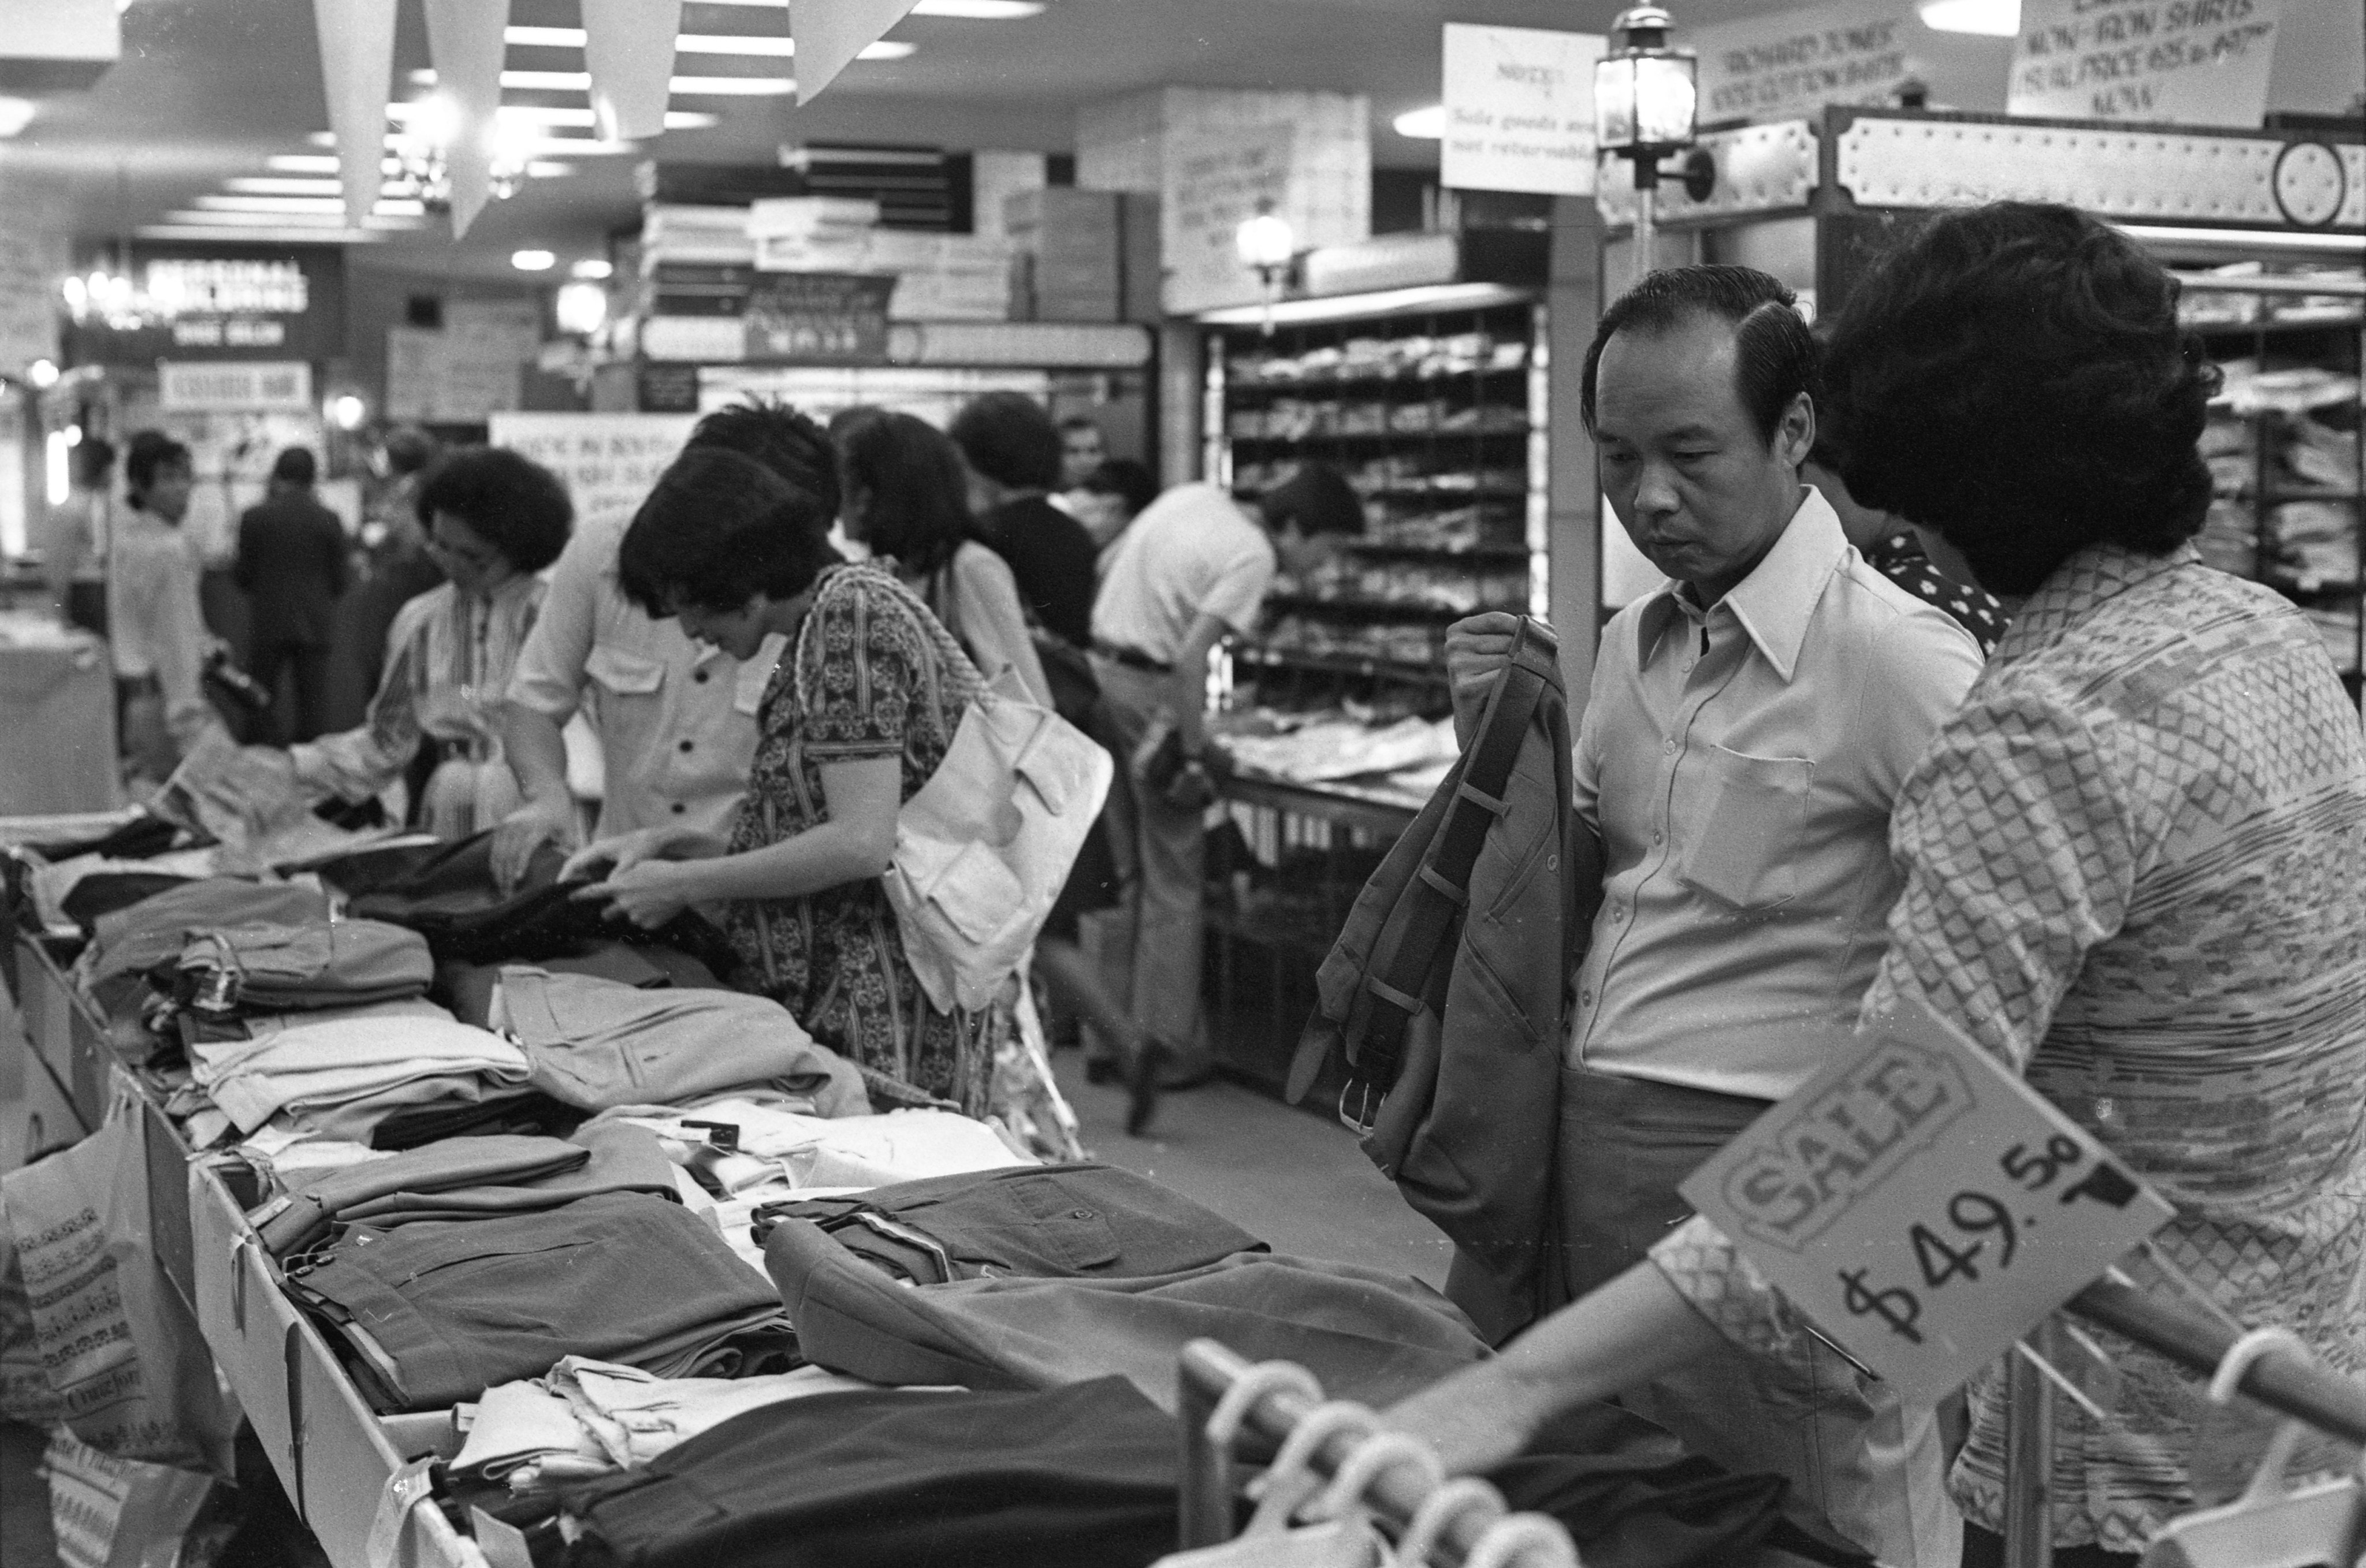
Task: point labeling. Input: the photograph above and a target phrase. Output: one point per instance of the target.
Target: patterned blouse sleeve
(863, 665)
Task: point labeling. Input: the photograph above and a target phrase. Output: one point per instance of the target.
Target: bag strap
(1405, 960)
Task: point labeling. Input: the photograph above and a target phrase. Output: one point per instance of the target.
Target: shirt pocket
(626, 674)
(1744, 847)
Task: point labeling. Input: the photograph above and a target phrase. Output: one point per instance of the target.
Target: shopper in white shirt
(676, 719)
(73, 550)
(1749, 729)
(1192, 567)
(154, 623)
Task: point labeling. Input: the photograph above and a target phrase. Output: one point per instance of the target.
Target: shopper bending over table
(2131, 858)
(855, 718)
(492, 520)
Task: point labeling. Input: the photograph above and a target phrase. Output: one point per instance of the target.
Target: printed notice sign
(1792, 64)
(2172, 61)
(609, 461)
(1519, 109)
(1923, 1205)
(1218, 177)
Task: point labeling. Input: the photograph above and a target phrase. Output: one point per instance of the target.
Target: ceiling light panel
(767, 45)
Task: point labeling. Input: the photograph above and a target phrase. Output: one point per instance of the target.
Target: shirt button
(1670, 747)
(699, 677)
(685, 745)
(1080, 1214)
(1585, 998)
(679, 808)
(1659, 837)
(1618, 914)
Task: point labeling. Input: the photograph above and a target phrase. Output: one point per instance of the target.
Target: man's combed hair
(717, 530)
(1008, 438)
(1775, 356)
(511, 502)
(790, 444)
(2014, 377)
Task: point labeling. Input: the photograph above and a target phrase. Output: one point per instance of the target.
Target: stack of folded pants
(340, 1071)
(435, 1312)
(1084, 1475)
(467, 988)
(128, 943)
(262, 966)
(841, 1151)
(595, 1044)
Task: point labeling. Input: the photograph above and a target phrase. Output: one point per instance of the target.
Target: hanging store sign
(818, 317)
(1519, 109)
(270, 304)
(1923, 1205)
(223, 388)
(2161, 62)
(1783, 66)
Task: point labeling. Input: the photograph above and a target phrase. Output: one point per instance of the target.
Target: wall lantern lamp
(1267, 246)
(1646, 99)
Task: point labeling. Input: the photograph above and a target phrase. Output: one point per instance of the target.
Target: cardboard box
(1072, 240)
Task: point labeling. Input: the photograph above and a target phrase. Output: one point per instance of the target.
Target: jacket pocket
(626, 674)
(1744, 843)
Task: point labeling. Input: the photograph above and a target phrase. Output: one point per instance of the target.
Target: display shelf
(1341, 665)
(1341, 803)
(1372, 609)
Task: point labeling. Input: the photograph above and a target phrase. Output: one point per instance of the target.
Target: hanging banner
(828, 38)
(464, 39)
(628, 49)
(609, 461)
(231, 386)
(2162, 62)
(1519, 110)
(356, 67)
(1921, 1204)
(1783, 66)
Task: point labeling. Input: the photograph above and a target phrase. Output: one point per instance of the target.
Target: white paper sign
(1519, 109)
(185, 385)
(1923, 1205)
(609, 461)
(2176, 62)
(1219, 179)
(1781, 66)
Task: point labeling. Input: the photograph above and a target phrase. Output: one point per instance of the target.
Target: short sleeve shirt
(1191, 553)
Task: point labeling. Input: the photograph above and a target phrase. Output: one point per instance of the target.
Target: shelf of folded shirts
(1340, 664)
(1473, 555)
(2222, 326)
(1373, 804)
(1378, 609)
(1369, 380)
(1408, 487)
(1316, 437)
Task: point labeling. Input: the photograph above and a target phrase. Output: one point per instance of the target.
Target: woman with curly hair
(2131, 858)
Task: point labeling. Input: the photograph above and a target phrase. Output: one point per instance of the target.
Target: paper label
(1519, 109)
(1923, 1205)
(2161, 62)
(1777, 67)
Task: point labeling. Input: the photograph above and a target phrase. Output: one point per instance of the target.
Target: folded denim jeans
(454, 1307)
(303, 1214)
(269, 967)
(1044, 1222)
(595, 1044)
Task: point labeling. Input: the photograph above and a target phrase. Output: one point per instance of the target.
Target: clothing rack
(1276, 1398)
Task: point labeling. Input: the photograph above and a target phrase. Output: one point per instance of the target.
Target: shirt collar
(2087, 578)
(1776, 602)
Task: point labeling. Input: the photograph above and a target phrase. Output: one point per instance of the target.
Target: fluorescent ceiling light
(211, 219)
(549, 114)
(592, 268)
(1991, 18)
(394, 207)
(523, 146)
(541, 169)
(1423, 125)
(273, 184)
(16, 114)
(980, 10)
(304, 163)
(732, 87)
(770, 45)
(533, 261)
(197, 229)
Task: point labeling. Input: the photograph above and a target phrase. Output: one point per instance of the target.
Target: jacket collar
(1776, 602)
(2085, 580)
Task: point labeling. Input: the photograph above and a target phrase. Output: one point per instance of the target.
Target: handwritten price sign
(1923, 1205)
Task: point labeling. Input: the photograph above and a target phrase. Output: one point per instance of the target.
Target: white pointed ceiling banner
(829, 33)
(357, 68)
(464, 42)
(628, 49)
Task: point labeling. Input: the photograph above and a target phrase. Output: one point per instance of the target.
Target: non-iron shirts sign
(2159, 62)
(1921, 1204)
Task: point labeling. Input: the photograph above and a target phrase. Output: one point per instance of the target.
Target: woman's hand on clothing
(647, 892)
(625, 850)
(526, 829)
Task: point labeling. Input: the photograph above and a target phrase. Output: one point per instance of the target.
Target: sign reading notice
(2174, 62)
(1780, 66)
(1923, 1205)
(1519, 109)
(609, 461)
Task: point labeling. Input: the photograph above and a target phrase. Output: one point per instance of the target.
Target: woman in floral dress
(853, 722)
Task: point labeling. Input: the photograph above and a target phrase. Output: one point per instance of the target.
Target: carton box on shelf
(1072, 240)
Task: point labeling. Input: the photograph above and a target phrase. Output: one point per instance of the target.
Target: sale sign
(1921, 1204)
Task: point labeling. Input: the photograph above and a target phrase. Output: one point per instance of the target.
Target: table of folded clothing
(641, 1274)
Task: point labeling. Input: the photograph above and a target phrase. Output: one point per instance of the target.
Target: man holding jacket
(1749, 728)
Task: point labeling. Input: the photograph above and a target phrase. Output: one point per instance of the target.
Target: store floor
(1285, 1174)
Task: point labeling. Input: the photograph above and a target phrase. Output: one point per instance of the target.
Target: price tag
(1921, 1204)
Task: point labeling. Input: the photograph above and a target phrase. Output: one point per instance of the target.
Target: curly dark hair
(773, 433)
(1318, 497)
(918, 503)
(1775, 356)
(515, 503)
(2014, 377)
(1009, 438)
(717, 529)
(151, 450)
(1128, 480)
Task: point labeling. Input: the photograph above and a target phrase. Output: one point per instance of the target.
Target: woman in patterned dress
(853, 722)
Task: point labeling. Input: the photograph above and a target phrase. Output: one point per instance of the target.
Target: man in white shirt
(1749, 728)
(155, 626)
(676, 718)
(1190, 569)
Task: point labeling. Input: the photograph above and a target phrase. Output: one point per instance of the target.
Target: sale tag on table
(1921, 1204)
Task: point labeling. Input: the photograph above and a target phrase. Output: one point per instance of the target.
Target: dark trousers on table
(1864, 1468)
